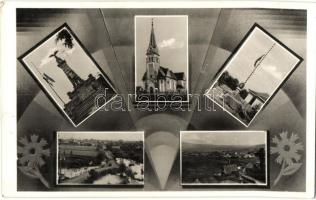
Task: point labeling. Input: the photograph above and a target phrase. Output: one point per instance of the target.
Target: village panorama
(100, 158)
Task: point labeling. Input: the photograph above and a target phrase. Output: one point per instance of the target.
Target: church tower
(152, 56)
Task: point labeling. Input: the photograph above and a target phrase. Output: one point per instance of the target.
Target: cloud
(46, 58)
(171, 43)
(271, 69)
(70, 51)
(62, 51)
(67, 51)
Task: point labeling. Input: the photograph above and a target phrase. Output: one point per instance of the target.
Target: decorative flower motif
(31, 157)
(32, 151)
(287, 147)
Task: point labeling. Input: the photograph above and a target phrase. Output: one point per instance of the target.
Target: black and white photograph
(68, 75)
(252, 75)
(100, 158)
(197, 44)
(224, 158)
(161, 58)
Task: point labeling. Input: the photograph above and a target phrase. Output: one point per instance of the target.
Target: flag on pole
(258, 61)
(48, 79)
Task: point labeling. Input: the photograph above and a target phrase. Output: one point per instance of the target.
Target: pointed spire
(152, 47)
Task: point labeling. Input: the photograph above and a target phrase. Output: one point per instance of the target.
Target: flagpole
(260, 61)
(48, 83)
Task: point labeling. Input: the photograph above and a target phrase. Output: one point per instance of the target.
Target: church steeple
(152, 47)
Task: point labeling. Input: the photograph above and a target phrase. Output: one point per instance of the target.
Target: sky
(127, 136)
(272, 70)
(245, 138)
(172, 40)
(39, 62)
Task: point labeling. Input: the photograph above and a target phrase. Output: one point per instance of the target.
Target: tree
(93, 174)
(121, 168)
(222, 79)
(257, 107)
(99, 147)
(261, 155)
(100, 157)
(243, 93)
(228, 80)
(65, 35)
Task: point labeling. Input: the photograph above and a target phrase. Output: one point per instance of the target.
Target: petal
(23, 160)
(283, 135)
(31, 164)
(298, 146)
(40, 161)
(274, 150)
(279, 159)
(293, 138)
(34, 138)
(21, 150)
(46, 152)
(289, 161)
(43, 142)
(296, 157)
(24, 140)
(275, 140)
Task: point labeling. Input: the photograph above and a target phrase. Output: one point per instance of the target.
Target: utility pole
(258, 62)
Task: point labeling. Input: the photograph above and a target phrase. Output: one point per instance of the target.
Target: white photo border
(99, 132)
(187, 57)
(230, 185)
(8, 104)
(230, 59)
(43, 87)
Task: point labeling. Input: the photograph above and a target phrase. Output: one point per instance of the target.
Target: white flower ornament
(31, 157)
(288, 149)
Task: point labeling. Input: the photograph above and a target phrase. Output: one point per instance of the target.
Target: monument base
(83, 98)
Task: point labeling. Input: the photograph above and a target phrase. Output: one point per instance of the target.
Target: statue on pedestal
(71, 75)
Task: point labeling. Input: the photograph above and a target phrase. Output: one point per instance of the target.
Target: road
(250, 178)
(81, 178)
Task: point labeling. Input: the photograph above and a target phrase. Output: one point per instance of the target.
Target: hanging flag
(258, 61)
(48, 79)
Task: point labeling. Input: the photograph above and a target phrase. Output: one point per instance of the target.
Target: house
(181, 81)
(256, 98)
(249, 165)
(116, 147)
(159, 79)
(229, 169)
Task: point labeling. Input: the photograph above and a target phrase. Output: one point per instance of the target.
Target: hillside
(211, 147)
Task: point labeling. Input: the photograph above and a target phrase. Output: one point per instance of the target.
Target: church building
(158, 79)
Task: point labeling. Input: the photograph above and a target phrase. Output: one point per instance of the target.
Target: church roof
(163, 73)
(262, 96)
(152, 47)
(180, 75)
(144, 76)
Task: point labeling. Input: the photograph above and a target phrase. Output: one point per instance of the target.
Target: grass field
(76, 150)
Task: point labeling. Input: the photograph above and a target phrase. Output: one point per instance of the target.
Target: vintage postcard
(252, 75)
(161, 58)
(224, 158)
(68, 75)
(100, 158)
